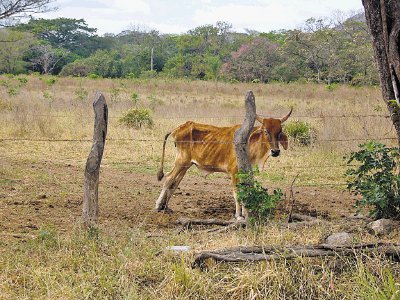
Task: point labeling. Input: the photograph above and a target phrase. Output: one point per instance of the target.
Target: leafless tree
(47, 57)
(12, 10)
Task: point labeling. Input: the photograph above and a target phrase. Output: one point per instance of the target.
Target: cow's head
(273, 130)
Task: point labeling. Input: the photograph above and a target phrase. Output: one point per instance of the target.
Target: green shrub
(148, 74)
(301, 132)
(115, 93)
(376, 179)
(93, 76)
(13, 85)
(137, 118)
(331, 87)
(22, 80)
(134, 98)
(81, 93)
(256, 199)
(50, 81)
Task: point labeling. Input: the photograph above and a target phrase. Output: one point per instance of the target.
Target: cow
(211, 149)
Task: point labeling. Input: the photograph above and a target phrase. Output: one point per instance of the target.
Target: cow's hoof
(240, 218)
(165, 210)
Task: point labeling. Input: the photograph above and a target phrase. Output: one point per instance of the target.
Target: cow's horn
(287, 116)
(259, 119)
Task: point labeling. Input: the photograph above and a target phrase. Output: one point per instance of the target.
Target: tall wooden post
(241, 145)
(90, 211)
(242, 136)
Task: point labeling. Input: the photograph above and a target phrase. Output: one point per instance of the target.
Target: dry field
(46, 125)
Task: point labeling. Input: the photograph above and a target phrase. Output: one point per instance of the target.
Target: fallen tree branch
(303, 221)
(266, 253)
(186, 222)
(302, 218)
(227, 225)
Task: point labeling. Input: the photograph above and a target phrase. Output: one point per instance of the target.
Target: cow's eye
(268, 135)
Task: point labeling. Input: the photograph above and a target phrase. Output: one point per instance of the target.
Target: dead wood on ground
(267, 253)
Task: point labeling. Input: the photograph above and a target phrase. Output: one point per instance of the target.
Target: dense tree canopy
(320, 51)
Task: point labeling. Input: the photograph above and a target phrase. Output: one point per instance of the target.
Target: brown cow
(211, 149)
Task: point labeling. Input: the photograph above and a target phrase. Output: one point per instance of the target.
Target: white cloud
(265, 15)
(181, 15)
(131, 6)
(259, 17)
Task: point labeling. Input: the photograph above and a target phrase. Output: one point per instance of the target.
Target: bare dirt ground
(50, 193)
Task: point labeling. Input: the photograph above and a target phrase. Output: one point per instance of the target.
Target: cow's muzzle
(275, 153)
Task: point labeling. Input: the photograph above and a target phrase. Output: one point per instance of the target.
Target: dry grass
(129, 265)
(120, 262)
(69, 116)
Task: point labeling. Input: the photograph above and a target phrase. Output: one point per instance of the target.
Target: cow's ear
(259, 119)
(283, 139)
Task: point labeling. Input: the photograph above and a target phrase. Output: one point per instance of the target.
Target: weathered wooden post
(243, 133)
(90, 211)
(241, 139)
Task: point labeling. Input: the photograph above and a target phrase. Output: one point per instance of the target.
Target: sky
(114, 16)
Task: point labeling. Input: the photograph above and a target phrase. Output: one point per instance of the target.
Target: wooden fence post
(90, 211)
(240, 142)
(242, 136)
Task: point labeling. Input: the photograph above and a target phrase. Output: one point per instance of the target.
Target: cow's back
(209, 147)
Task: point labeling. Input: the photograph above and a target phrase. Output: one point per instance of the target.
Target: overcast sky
(114, 16)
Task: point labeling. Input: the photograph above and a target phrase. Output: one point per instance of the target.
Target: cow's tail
(160, 173)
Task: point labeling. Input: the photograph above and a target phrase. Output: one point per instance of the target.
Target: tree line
(321, 50)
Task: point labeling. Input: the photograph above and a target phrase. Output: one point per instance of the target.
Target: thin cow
(211, 149)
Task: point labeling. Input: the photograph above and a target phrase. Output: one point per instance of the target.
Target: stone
(380, 227)
(340, 239)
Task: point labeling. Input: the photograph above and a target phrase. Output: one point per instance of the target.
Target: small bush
(376, 179)
(22, 80)
(93, 76)
(137, 118)
(148, 74)
(131, 75)
(134, 98)
(77, 68)
(256, 199)
(50, 81)
(81, 93)
(13, 85)
(301, 132)
(115, 93)
(331, 87)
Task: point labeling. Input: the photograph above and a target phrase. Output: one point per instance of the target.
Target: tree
(383, 19)
(201, 50)
(46, 58)
(11, 10)
(12, 52)
(71, 34)
(253, 61)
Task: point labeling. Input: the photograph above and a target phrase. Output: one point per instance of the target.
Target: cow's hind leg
(171, 183)
(241, 211)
